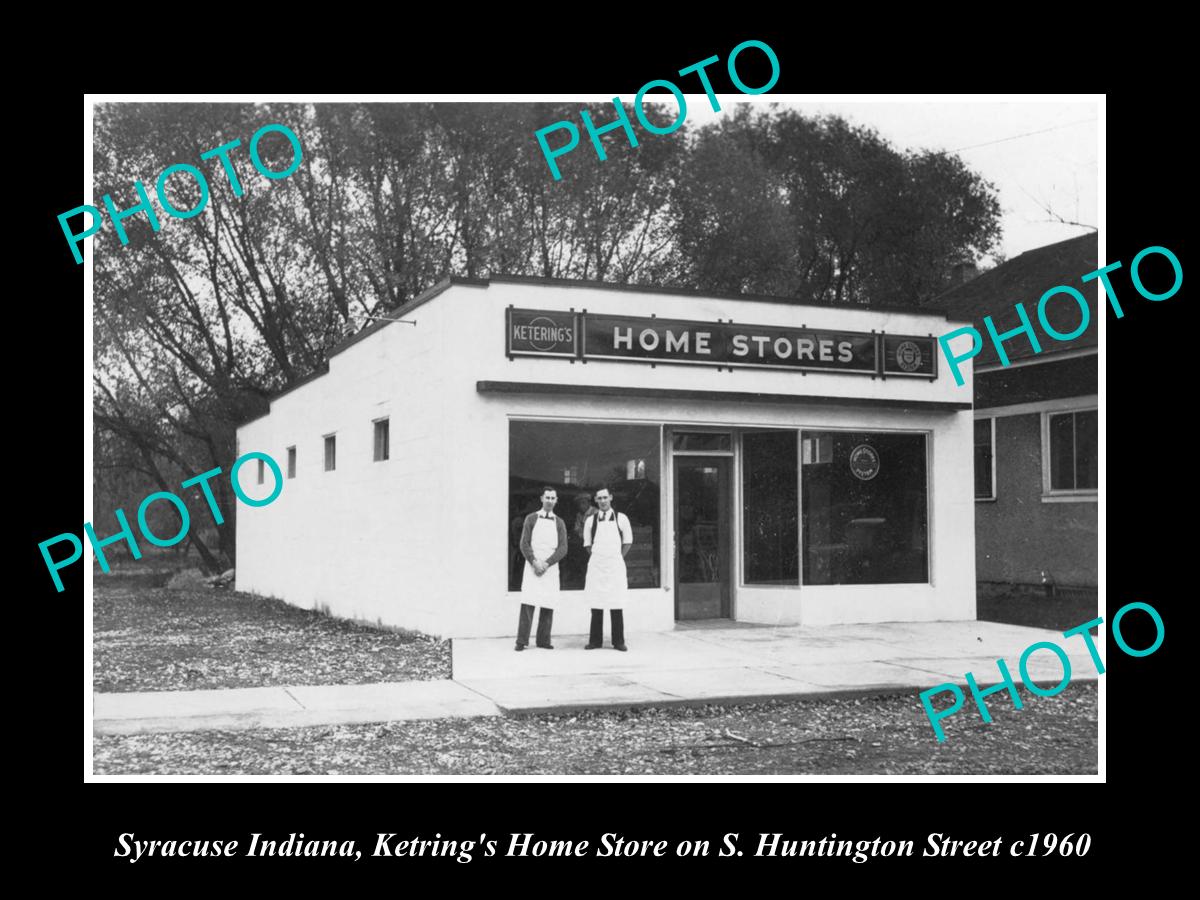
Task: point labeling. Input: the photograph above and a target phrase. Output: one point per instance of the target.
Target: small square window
(381, 440)
(330, 452)
(291, 453)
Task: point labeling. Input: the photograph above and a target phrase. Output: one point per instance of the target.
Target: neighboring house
(1036, 423)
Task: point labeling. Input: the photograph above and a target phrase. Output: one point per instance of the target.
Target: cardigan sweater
(527, 538)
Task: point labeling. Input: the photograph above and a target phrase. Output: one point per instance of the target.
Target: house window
(381, 440)
(864, 508)
(985, 459)
(1070, 453)
(291, 451)
(261, 471)
(330, 452)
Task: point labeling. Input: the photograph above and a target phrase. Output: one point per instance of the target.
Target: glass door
(702, 532)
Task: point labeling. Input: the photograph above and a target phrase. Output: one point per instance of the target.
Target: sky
(1039, 154)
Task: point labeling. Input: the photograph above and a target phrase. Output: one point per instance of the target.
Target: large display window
(577, 459)
(770, 536)
(864, 507)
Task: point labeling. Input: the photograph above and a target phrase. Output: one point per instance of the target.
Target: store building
(1036, 426)
(780, 463)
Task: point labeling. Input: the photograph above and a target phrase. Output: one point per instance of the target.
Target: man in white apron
(543, 544)
(608, 535)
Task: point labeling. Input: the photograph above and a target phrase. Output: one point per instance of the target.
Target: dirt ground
(148, 637)
(879, 735)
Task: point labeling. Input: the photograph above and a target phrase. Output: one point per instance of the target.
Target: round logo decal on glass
(908, 356)
(864, 462)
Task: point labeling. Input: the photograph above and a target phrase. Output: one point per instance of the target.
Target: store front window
(577, 459)
(770, 536)
(864, 509)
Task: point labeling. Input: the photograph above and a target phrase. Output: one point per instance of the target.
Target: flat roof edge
(916, 309)
(402, 310)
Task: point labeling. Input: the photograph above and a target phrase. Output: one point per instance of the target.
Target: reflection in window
(864, 508)
(1074, 457)
(770, 534)
(577, 459)
(985, 489)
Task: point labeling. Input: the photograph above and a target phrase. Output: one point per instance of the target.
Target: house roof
(1024, 279)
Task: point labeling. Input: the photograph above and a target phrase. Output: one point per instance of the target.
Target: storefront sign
(588, 336)
(534, 332)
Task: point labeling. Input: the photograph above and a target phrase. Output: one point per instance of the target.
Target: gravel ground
(867, 735)
(147, 637)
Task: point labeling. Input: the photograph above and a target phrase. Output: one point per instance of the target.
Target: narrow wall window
(1072, 451)
(381, 439)
(261, 471)
(864, 510)
(330, 452)
(985, 456)
(770, 533)
(291, 451)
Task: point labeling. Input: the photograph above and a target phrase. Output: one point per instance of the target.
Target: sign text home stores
(586, 336)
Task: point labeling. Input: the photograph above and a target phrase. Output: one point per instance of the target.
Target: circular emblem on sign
(864, 462)
(908, 356)
(551, 328)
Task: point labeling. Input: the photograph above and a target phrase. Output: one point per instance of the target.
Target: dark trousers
(618, 627)
(545, 620)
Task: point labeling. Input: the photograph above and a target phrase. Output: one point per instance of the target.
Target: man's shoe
(620, 647)
(520, 646)
(546, 646)
(592, 647)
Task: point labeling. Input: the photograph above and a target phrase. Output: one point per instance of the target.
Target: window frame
(927, 434)
(328, 457)
(992, 439)
(665, 555)
(387, 440)
(1065, 495)
(740, 500)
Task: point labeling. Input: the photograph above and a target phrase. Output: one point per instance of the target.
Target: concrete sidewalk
(692, 664)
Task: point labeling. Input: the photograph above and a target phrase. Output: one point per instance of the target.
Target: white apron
(607, 582)
(542, 590)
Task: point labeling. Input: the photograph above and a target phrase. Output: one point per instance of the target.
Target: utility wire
(1026, 134)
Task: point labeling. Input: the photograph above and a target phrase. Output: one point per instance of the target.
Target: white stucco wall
(389, 541)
